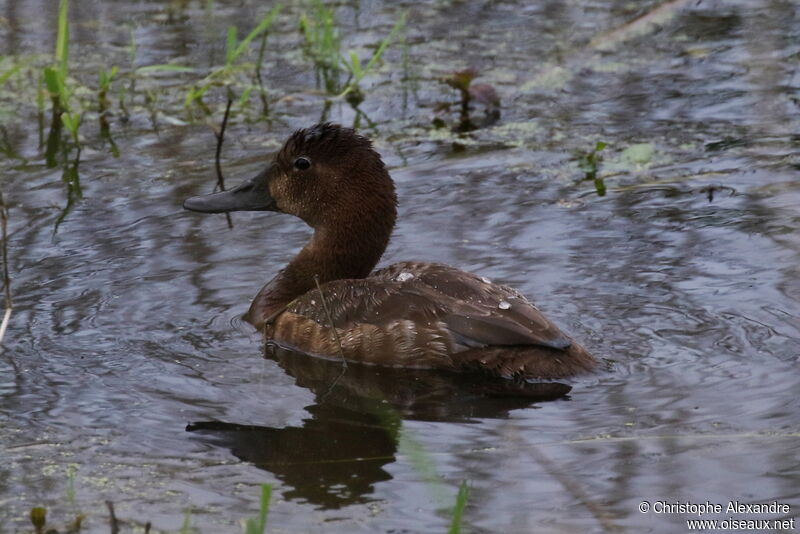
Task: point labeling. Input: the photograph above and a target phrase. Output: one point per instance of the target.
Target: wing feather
(470, 311)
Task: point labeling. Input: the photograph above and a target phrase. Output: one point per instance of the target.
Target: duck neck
(341, 250)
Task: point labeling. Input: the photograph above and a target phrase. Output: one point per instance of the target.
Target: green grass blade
(265, 23)
(230, 46)
(458, 509)
(196, 93)
(62, 40)
(191, 95)
(52, 81)
(266, 495)
(258, 525)
(72, 121)
(245, 97)
(355, 66)
(187, 521)
(9, 73)
(385, 44)
(305, 27)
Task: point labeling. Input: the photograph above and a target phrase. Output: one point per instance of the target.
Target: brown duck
(410, 314)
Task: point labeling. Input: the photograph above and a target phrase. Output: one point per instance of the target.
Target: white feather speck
(405, 276)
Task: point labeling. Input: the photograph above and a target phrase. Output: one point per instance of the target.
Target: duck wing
(480, 313)
(465, 310)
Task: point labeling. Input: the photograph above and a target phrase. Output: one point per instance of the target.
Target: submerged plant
(589, 163)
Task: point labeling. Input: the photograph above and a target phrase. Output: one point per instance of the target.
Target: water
(684, 275)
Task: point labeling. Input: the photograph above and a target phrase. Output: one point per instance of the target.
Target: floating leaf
(639, 154)
(460, 79)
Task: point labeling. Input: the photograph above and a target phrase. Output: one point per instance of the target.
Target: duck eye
(302, 163)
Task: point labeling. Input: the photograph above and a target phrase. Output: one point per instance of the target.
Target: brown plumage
(410, 314)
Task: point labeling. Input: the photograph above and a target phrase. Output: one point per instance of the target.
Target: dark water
(685, 275)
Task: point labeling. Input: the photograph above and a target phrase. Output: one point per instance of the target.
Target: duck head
(332, 179)
(326, 175)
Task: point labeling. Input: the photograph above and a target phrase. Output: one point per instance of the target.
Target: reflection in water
(339, 453)
(333, 460)
(72, 183)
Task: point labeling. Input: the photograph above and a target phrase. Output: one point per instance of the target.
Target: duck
(331, 302)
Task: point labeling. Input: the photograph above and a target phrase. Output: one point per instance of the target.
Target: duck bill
(252, 195)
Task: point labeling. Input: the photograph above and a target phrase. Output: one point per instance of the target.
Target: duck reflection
(338, 454)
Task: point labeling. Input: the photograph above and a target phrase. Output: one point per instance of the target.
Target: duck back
(428, 315)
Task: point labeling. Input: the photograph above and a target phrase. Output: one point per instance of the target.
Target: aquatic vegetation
(226, 75)
(352, 90)
(69, 98)
(9, 72)
(423, 463)
(119, 90)
(330, 321)
(105, 78)
(458, 509)
(38, 518)
(258, 525)
(187, 521)
(638, 154)
(6, 277)
(57, 83)
(709, 90)
(589, 163)
(220, 135)
(481, 93)
(323, 46)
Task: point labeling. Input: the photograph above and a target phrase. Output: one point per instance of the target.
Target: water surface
(684, 276)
